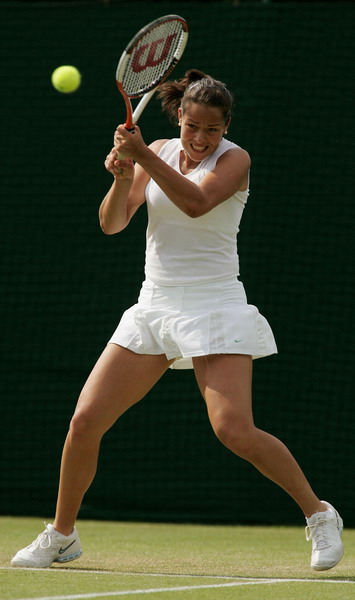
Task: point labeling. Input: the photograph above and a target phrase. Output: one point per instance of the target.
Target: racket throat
(129, 124)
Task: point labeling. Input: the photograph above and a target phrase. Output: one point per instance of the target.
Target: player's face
(202, 128)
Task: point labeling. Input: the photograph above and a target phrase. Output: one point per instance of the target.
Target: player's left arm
(229, 175)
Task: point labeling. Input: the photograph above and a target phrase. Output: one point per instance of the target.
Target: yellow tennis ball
(66, 79)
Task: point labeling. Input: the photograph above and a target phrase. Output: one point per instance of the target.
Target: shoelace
(42, 541)
(318, 533)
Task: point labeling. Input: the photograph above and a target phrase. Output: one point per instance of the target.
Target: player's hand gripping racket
(148, 59)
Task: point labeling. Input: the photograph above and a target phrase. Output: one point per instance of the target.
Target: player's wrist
(144, 155)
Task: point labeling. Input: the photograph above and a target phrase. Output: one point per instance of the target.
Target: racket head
(150, 57)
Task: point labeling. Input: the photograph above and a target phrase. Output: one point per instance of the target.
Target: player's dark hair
(196, 87)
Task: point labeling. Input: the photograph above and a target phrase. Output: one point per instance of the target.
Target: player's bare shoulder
(236, 156)
(233, 168)
(157, 145)
(234, 159)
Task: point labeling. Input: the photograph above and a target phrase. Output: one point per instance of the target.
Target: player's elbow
(111, 226)
(192, 213)
(109, 229)
(196, 211)
(198, 206)
(104, 228)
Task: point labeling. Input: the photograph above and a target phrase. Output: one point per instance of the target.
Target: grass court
(175, 562)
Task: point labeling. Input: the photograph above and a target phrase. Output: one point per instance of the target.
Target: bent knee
(236, 436)
(84, 424)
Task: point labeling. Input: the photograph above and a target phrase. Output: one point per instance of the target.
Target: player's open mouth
(198, 148)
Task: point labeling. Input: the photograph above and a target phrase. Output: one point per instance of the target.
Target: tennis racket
(148, 59)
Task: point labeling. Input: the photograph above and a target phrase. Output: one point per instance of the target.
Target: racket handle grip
(118, 155)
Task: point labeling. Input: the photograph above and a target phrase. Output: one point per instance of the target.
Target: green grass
(122, 557)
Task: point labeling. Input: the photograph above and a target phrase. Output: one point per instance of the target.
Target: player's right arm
(125, 195)
(127, 192)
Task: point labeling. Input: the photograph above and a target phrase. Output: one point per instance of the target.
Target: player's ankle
(63, 530)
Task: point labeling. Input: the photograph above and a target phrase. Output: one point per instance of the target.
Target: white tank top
(182, 250)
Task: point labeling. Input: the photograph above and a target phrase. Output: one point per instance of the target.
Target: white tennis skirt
(186, 321)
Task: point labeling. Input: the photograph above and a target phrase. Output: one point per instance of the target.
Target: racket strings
(152, 57)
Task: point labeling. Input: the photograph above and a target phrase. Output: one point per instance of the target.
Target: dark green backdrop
(65, 284)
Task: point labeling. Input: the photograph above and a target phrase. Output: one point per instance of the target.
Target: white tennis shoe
(50, 546)
(325, 529)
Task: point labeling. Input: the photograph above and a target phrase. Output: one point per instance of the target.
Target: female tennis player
(192, 312)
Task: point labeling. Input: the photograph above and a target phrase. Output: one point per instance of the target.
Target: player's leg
(119, 379)
(225, 382)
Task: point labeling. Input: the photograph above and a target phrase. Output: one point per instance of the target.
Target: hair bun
(195, 75)
(211, 92)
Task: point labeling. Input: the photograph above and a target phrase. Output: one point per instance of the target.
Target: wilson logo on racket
(148, 60)
(152, 54)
